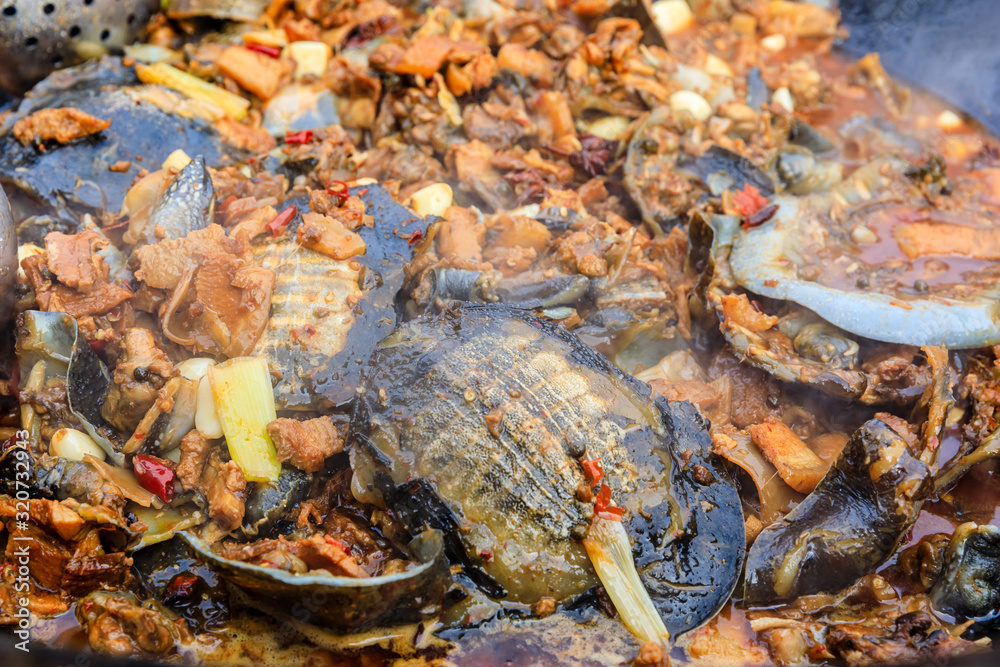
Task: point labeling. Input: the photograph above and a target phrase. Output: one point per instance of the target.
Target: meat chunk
(321, 554)
(59, 125)
(473, 165)
(460, 237)
(224, 487)
(305, 444)
(194, 454)
(424, 56)
(221, 297)
(916, 638)
(65, 548)
(73, 259)
(53, 296)
(222, 484)
(739, 310)
(755, 394)
(256, 72)
(245, 137)
(141, 372)
(796, 463)
(360, 90)
(117, 626)
(327, 235)
(91, 568)
(162, 264)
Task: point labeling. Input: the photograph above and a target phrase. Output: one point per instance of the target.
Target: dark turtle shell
(475, 421)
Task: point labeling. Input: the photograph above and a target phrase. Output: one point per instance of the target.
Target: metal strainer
(39, 36)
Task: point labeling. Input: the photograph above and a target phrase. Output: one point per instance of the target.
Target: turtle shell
(475, 422)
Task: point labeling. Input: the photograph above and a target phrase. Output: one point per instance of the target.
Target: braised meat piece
(141, 371)
(320, 553)
(194, 453)
(222, 484)
(74, 260)
(71, 277)
(118, 626)
(305, 444)
(60, 125)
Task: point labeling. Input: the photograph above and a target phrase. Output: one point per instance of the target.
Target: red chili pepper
(180, 589)
(342, 191)
(303, 137)
(227, 202)
(611, 513)
(592, 470)
(760, 217)
(603, 507)
(334, 542)
(415, 238)
(280, 221)
(272, 51)
(748, 201)
(154, 476)
(307, 330)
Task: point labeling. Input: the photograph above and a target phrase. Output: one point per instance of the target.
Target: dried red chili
(760, 217)
(181, 589)
(592, 470)
(611, 513)
(603, 507)
(155, 476)
(341, 190)
(303, 137)
(272, 51)
(748, 201)
(280, 221)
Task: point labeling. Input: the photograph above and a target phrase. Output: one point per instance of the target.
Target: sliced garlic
(24, 251)
(949, 121)
(310, 58)
(432, 200)
(609, 127)
(671, 16)
(206, 416)
(176, 160)
(774, 43)
(690, 102)
(863, 235)
(716, 66)
(783, 98)
(68, 443)
(195, 368)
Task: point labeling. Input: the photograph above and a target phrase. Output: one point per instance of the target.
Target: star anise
(366, 32)
(594, 156)
(529, 184)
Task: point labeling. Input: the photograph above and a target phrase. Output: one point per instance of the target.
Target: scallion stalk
(244, 400)
(610, 552)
